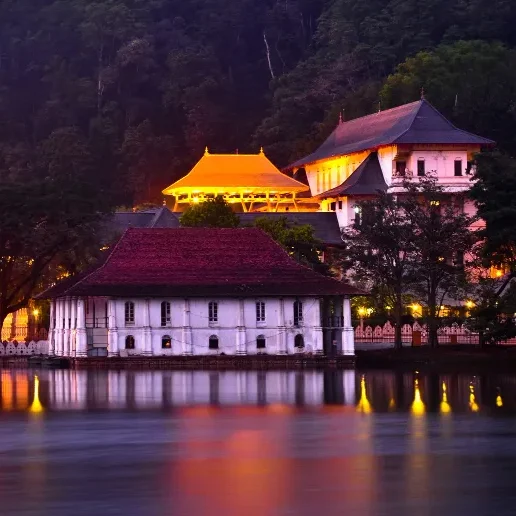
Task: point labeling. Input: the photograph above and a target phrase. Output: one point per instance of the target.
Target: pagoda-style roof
(367, 179)
(415, 123)
(198, 262)
(220, 173)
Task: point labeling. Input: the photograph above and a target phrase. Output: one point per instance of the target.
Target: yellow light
(418, 407)
(470, 304)
(498, 273)
(363, 404)
(388, 307)
(195, 200)
(416, 309)
(499, 402)
(36, 406)
(35, 312)
(362, 311)
(472, 403)
(445, 406)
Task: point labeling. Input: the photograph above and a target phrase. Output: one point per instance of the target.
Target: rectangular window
(469, 168)
(420, 167)
(401, 167)
(260, 311)
(458, 167)
(332, 206)
(165, 313)
(340, 205)
(298, 313)
(213, 312)
(129, 313)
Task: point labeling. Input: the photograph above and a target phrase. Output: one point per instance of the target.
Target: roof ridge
(103, 264)
(413, 118)
(376, 113)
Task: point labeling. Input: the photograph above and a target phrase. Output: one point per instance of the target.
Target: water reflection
(277, 392)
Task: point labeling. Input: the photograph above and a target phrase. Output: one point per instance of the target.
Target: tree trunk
(398, 313)
(432, 321)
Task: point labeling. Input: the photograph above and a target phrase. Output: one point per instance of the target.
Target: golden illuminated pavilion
(249, 180)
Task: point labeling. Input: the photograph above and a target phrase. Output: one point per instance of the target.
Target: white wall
(278, 335)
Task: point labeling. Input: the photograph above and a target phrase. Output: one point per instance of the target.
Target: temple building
(199, 291)
(250, 182)
(377, 152)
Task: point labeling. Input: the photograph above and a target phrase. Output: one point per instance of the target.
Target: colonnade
(67, 334)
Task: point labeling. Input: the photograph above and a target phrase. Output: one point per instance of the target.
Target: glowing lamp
(35, 312)
(470, 304)
(362, 311)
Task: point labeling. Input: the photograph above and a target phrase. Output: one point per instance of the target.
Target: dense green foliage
(145, 85)
(213, 213)
(297, 239)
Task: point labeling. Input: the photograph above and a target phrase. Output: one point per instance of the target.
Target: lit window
(260, 311)
(129, 342)
(166, 342)
(299, 341)
(165, 313)
(129, 313)
(213, 312)
(298, 313)
(420, 167)
(458, 167)
(260, 342)
(435, 203)
(213, 342)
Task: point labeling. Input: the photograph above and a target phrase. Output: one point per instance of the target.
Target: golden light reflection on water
(36, 406)
(363, 403)
(473, 405)
(418, 407)
(444, 407)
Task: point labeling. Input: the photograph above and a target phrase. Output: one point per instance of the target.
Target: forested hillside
(133, 90)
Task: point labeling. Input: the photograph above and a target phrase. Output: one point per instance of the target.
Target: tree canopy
(147, 85)
(213, 213)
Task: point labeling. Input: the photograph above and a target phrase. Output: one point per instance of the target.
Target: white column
(52, 327)
(73, 326)
(282, 335)
(60, 326)
(82, 343)
(240, 333)
(147, 334)
(66, 340)
(113, 350)
(318, 339)
(186, 333)
(348, 336)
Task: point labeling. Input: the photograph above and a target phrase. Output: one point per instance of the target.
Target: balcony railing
(334, 321)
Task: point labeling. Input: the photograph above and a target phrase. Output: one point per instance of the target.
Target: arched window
(166, 342)
(165, 313)
(214, 342)
(298, 313)
(299, 341)
(260, 311)
(213, 312)
(260, 342)
(129, 313)
(129, 342)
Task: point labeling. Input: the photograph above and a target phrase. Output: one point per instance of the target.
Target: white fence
(14, 348)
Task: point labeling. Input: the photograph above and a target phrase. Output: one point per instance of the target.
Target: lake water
(76, 443)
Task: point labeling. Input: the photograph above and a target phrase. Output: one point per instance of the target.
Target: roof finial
(379, 106)
(164, 202)
(422, 93)
(261, 150)
(236, 152)
(340, 117)
(206, 151)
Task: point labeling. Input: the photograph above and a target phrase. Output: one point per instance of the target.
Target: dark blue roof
(367, 179)
(417, 122)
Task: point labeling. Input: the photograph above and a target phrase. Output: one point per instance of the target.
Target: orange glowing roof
(226, 172)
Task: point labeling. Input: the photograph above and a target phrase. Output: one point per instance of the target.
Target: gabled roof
(200, 262)
(325, 223)
(417, 122)
(253, 172)
(367, 179)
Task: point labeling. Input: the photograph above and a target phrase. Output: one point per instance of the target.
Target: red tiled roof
(200, 262)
